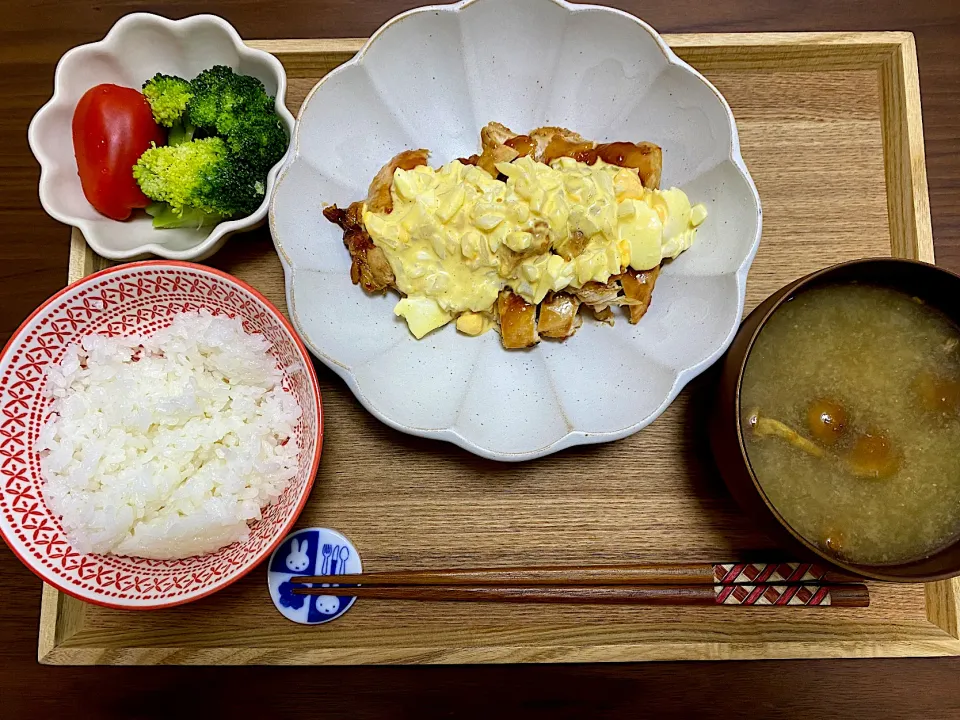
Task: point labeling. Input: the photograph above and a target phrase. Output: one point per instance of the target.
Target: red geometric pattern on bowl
(137, 298)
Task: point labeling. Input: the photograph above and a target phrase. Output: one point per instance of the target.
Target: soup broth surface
(850, 411)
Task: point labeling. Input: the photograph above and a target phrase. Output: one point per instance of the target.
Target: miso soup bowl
(935, 286)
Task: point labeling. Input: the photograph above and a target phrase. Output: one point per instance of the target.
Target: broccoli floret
(178, 174)
(201, 181)
(169, 96)
(242, 96)
(258, 139)
(237, 188)
(164, 216)
(206, 89)
(220, 97)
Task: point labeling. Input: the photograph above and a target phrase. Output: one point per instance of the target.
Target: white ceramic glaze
(137, 47)
(432, 78)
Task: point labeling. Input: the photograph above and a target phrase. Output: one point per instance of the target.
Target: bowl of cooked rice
(161, 427)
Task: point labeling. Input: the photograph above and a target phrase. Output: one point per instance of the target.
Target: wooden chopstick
(587, 575)
(728, 595)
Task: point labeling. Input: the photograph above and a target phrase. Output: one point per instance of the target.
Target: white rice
(167, 446)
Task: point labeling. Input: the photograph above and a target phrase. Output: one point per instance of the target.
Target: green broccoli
(258, 139)
(169, 96)
(220, 97)
(243, 96)
(206, 87)
(201, 182)
(222, 174)
(164, 216)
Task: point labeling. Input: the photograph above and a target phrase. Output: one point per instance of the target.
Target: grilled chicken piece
(379, 198)
(559, 317)
(488, 160)
(494, 148)
(523, 144)
(518, 321)
(553, 142)
(631, 288)
(602, 313)
(501, 144)
(369, 267)
(546, 144)
(638, 286)
(599, 294)
(493, 134)
(646, 158)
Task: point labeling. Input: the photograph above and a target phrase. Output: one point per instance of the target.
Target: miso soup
(850, 412)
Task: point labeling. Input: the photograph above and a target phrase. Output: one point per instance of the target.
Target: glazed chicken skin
(370, 268)
(546, 144)
(522, 315)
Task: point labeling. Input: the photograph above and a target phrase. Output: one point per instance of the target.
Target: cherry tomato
(112, 126)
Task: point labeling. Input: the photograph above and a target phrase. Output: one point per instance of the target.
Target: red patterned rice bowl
(138, 298)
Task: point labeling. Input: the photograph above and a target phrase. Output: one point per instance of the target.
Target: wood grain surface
(37, 33)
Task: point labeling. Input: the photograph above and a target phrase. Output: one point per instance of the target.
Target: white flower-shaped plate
(432, 78)
(137, 47)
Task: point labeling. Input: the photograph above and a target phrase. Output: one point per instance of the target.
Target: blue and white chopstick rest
(311, 551)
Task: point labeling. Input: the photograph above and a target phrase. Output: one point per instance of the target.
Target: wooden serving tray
(831, 131)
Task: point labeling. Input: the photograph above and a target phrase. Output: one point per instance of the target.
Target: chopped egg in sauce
(456, 236)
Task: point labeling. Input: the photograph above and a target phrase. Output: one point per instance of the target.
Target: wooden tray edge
(881, 40)
(943, 605)
(918, 644)
(909, 217)
(908, 199)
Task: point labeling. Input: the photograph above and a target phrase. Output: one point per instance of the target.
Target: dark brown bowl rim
(790, 290)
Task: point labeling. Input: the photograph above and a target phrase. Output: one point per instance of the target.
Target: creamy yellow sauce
(456, 236)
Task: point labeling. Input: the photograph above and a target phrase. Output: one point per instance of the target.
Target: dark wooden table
(33, 250)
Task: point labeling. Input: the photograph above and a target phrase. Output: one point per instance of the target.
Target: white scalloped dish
(431, 78)
(137, 47)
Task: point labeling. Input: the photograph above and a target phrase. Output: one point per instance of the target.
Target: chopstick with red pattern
(745, 595)
(787, 573)
(771, 584)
